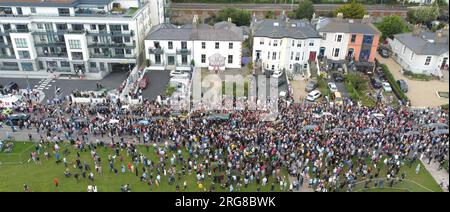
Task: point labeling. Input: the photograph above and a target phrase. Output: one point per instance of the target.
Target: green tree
(352, 10)
(391, 25)
(270, 15)
(305, 9)
(423, 14)
(239, 17)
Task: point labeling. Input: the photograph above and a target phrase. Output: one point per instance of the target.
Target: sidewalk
(438, 175)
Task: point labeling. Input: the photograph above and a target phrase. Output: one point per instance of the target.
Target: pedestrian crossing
(44, 84)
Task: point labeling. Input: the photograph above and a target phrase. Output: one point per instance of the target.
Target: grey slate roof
(168, 31)
(421, 45)
(50, 3)
(204, 32)
(297, 29)
(347, 26)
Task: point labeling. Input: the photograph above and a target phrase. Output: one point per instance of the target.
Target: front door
(312, 56)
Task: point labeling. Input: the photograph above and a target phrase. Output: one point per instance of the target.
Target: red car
(144, 83)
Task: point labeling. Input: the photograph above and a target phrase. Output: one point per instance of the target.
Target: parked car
(338, 77)
(175, 73)
(15, 118)
(277, 74)
(403, 85)
(384, 53)
(332, 87)
(311, 86)
(376, 83)
(10, 87)
(313, 95)
(144, 83)
(387, 87)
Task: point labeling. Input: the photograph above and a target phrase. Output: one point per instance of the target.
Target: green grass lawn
(40, 176)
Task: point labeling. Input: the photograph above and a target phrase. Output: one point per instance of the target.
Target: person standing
(56, 182)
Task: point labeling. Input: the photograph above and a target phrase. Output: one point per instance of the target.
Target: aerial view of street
(224, 96)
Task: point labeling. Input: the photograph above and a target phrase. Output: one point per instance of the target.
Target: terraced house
(79, 37)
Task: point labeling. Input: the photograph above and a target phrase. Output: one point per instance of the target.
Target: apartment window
(77, 27)
(93, 65)
(21, 43)
(40, 26)
(217, 45)
(27, 66)
(339, 38)
(299, 44)
(126, 39)
(404, 49)
(93, 27)
(183, 45)
(274, 55)
(33, 10)
(336, 52)
(230, 59)
(293, 43)
(96, 51)
(77, 56)
(353, 38)
(412, 56)
(170, 44)
(65, 64)
(261, 42)
(118, 51)
(58, 27)
(427, 61)
(184, 59)
(297, 56)
(63, 11)
(157, 59)
(273, 67)
(292, 55)
(127, 51)
(19, 11)
(102, 27)
(116, 28)
(125, 27)
(171, 60)
(268, 55)
(203, 45)
(290, 66)
(156, 44)
(311, 43)
(24, 54)
(74, 44)
(230, 45)
(203, 58)
(275, 43)
(117, 40)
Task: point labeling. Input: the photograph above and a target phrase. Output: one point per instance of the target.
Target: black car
(10, 87)
(338, 77)
(403, 85)
(376, 83)
(16, 118)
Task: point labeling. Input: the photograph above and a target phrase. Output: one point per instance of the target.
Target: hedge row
(395, 87)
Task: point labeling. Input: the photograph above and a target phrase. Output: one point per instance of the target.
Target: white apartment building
(217, 47)
(283, 44)
(422, 52)
(89, 37)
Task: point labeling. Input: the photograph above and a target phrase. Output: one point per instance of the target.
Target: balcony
(4, 56)
(45, 44)
(107, 45)
(156, 51)
(111, 33)
(41, 54)
(183, 51)
(19, 31)
(44, 32)
(117, 56)
(80, 31)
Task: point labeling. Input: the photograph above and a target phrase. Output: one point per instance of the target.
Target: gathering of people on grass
(322, 147)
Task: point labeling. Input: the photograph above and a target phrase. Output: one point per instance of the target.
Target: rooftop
(284, 28)
(346, 26)
(50, 3)
(219, 32)
(425, 43)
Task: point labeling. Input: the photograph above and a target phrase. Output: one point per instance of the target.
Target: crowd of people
(322, 146)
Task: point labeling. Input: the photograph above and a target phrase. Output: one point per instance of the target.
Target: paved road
(48, 86)
(158, 83)
(441, 176)
(271, 7)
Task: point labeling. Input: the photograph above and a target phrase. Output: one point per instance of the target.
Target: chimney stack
(365, 19)
(195, 20)
(438, 38)
(229, 19)
(340, 16)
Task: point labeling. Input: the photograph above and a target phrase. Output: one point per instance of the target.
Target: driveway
(298, 88)
(157, 85)
(420, 93)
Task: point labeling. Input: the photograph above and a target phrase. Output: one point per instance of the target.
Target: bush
(395, 87)
(445, 107)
